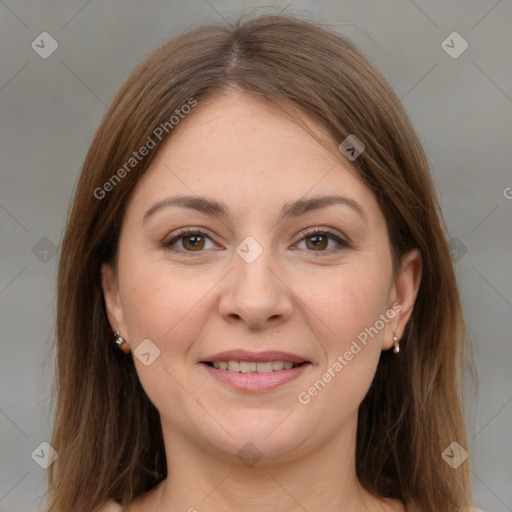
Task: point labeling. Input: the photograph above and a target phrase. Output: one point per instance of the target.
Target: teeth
(233, 366)
(246, 367)
(251, 366)
(277, 365)
(265, 367)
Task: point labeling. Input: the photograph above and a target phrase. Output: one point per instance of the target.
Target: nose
(256, 294)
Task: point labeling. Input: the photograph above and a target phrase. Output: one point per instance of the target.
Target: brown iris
(315, 244)
(194, 245)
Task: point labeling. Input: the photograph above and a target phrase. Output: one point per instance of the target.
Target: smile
(254, 377)
(252, 366)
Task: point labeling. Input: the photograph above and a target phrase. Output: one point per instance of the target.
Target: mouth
(253, 366)
(255, 372)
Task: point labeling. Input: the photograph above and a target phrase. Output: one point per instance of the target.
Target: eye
(192, 240)
(318, 239)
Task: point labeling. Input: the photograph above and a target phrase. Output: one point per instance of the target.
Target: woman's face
(256, 281)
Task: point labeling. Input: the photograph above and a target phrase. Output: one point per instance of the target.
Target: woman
(257, 305)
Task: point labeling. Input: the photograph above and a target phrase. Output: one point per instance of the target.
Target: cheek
(351, 314)
(351, 301)
(165, 304)
(347, 323)
(166, 307)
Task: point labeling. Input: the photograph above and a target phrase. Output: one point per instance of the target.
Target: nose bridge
(253, 275)
(255, 292)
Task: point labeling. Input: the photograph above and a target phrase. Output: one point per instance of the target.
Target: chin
(265, 437)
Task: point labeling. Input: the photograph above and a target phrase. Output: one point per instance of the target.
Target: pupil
(195, 240)
(317, 243)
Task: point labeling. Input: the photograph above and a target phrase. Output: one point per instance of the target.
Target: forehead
(237, 126)
(248, 153)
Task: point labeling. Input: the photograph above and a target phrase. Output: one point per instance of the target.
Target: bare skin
(305, 294)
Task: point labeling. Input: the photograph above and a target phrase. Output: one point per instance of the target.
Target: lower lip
(255, 381)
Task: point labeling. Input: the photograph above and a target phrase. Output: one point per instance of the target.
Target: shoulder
(112, 506)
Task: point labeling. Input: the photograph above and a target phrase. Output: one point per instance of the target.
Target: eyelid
(342, 241)
(323, 230)
(166, 243)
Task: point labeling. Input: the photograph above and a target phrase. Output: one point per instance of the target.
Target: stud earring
(396, 345)
(121, 343)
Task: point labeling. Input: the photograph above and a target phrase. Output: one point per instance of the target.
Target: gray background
(50, 109)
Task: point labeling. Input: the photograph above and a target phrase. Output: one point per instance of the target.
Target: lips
(252, 366)
(256, 357)
(254, 371)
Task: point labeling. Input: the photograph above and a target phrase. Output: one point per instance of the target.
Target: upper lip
(244, 355)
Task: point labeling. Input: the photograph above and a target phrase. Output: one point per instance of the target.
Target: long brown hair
(107, 432)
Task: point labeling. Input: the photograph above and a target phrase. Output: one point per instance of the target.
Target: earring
(396, 345)
(121, 343)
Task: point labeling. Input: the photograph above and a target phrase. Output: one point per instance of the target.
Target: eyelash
(343, 244)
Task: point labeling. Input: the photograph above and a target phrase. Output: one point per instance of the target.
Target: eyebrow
(292, 209)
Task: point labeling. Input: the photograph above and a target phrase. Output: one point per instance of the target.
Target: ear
(404, 291)
(111, 295)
